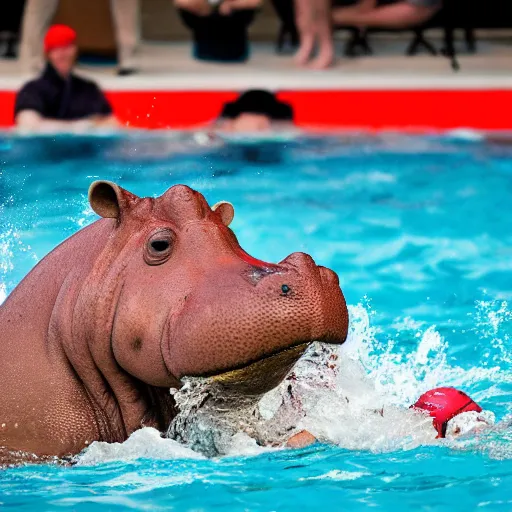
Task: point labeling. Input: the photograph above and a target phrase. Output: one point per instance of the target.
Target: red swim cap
(58, 36)
(444, 404)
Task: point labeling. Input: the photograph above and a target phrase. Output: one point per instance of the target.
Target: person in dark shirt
(219, 27)
(255, 111)
(59, 100)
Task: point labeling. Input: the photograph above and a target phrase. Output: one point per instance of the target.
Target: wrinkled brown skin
(96, 334)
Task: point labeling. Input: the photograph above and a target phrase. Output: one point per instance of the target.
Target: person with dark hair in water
(255, 111)
(219, 27)
(59, 100)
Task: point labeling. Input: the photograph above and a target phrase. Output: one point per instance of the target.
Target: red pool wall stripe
(372, 109)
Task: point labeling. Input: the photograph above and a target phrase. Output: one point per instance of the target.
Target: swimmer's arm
(33, 121)
(301, 440)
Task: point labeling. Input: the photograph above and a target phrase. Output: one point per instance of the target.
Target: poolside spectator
(38, 17)
(314, 19)
(255, 111)
(402, 14)
(59, 100)
(219, 27)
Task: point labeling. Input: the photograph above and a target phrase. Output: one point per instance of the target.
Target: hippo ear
(225, 210)
(109, 200)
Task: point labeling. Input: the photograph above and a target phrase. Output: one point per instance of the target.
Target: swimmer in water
(256, 111)
(453, 414)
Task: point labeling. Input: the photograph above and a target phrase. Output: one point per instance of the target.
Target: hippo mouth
(260, 376)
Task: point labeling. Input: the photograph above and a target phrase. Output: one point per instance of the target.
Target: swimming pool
(418, 229)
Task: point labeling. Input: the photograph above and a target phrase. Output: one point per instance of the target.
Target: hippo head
(191, 302)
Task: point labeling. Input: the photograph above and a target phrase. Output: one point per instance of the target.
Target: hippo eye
(159, 247)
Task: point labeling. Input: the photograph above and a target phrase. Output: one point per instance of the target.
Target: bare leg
(340, 15)
(325, 41)
(304, 18)
(125, 14)
(313, 21)
(37, 18)
(400, 15)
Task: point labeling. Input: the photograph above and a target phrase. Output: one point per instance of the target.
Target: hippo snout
(264, 320)
(303, 262)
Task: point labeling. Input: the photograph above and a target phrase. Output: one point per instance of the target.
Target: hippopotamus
(156, 290)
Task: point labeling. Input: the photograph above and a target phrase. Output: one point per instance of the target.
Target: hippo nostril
(328, 276)
(299, 259)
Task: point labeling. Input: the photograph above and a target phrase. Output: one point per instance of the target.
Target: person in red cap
(447, 406)
(59, 100)
(38, 16)
(443, 405)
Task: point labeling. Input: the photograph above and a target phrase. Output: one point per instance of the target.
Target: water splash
(6, 260)
(490, 318)
(11, 247)
(356, 395)
(144, 443)
(402, 372)
(328, 393)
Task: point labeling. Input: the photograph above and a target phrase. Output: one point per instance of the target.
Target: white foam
(144, 443)
(243, 444)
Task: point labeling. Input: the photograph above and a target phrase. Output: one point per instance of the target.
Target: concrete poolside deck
(168, 67)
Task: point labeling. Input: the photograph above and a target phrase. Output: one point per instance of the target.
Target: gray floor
(169, 66)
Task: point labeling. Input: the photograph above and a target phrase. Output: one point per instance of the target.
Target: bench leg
(287, 33)
(449, 48)
(418, 42)
(10, 47)
(469, 35)
(357, 44)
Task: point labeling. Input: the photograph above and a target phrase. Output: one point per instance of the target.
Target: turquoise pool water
(419, 231)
